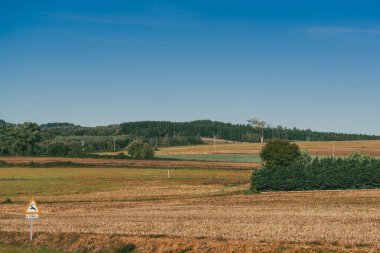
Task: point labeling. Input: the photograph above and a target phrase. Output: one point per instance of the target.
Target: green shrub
(140, 150)
(354, 172)
(278, 153)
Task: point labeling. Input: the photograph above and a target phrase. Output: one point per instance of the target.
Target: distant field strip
(314, 148)
(129, 163)
(243, 158)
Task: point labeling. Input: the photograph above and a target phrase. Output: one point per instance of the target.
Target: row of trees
(30, 139)
(184, 133)
(233, 132)
(26, 139)
(286, 169)
(19, 139)
(52, 130)
(69, 139)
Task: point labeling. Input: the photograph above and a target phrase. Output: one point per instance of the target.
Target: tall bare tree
(255, 122)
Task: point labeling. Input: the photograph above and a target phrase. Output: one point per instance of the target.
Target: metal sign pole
(31, 229)
(32, 212)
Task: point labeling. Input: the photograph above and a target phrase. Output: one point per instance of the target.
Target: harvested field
(199, 212)
(342, 148)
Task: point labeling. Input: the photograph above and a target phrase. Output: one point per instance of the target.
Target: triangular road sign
(32, 208)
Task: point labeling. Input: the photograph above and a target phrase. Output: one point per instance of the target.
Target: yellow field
(193, 211)
(314, 148)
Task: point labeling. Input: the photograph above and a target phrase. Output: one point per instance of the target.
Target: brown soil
(70, 242)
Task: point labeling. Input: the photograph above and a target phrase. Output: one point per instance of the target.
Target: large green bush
(279, 152)
(140, 149)
(355, 171)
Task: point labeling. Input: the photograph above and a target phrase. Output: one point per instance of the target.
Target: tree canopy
(140, 149)
(279, 153)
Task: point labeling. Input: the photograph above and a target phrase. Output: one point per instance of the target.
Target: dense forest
(65, 139)
(233, 132)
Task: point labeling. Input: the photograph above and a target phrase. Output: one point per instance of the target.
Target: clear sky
(309, 64)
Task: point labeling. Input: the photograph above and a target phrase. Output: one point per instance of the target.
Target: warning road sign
(32, 208)
(32, 212)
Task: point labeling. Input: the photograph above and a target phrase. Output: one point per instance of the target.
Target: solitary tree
(140, 149)
(279, 153)
(255, 122)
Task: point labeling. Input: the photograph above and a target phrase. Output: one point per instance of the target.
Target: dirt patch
(70, 242)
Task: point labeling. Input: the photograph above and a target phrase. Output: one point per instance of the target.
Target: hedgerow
(354, 172)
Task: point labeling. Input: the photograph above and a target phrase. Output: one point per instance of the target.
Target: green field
(244, 158)
(60, 181)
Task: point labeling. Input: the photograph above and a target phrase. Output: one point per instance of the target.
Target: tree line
(232, 132)
(69, 139)
(286, 169)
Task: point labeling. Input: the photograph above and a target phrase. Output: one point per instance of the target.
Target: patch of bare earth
(74, 242)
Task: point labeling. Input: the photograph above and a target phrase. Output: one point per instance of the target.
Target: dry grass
(198, 205)
(199, 210)
(314, 148)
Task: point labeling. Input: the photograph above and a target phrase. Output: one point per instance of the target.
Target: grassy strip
(245, 158)
(19, 181)
(69, 164)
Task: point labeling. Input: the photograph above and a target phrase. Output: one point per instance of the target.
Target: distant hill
(66, 139)
(232, 132)
(193, 131)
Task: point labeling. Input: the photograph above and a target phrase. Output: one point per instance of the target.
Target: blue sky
(309, 64)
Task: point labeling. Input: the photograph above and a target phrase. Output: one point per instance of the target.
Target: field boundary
(91, 162)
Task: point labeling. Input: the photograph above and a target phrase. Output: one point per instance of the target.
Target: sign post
(31, 229)
(31, 212)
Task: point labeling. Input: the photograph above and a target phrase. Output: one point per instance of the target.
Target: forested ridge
(233, 132)
(69, 139)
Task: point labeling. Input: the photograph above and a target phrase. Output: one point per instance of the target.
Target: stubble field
(249, 152)
(324, 148)
(195, 210)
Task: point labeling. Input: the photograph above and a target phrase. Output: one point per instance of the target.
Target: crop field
(324, 148)
(195, 210)
(243, 152)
